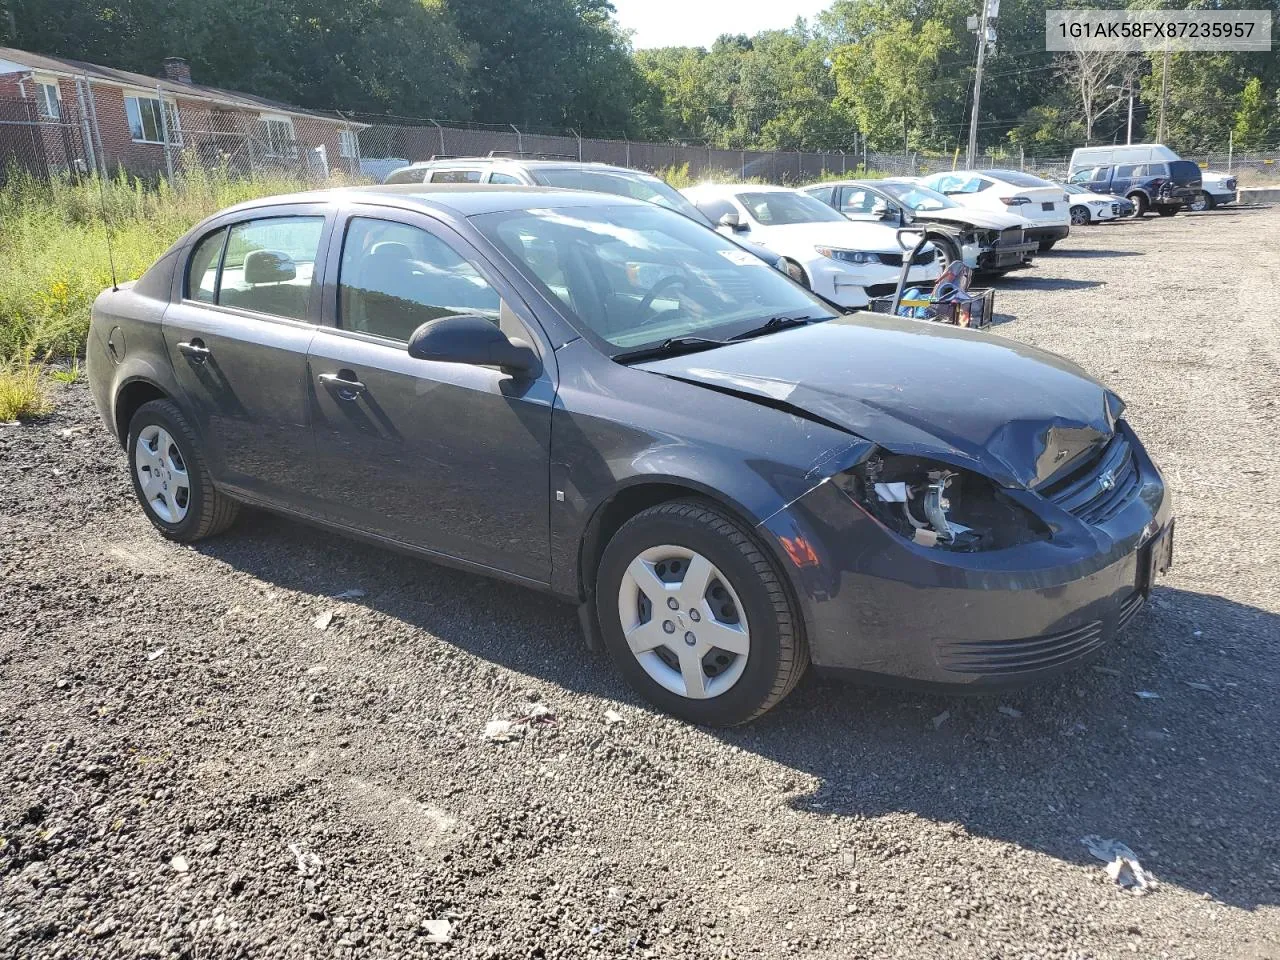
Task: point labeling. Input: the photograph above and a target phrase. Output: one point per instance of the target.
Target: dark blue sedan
(599, 398)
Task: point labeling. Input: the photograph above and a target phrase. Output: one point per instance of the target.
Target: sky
(697, 23)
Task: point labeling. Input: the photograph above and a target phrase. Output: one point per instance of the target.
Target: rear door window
(269, 264)
(454, 176)
(1127, 171)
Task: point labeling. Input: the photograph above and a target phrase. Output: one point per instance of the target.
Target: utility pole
(990, 9)
(1128, 88)
(1164, 96)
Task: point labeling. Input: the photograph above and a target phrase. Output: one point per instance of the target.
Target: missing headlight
(936, 505)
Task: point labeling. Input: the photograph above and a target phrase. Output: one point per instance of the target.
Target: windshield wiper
(669, 348)
(776, 323)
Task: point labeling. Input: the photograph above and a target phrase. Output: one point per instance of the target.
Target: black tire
(209, 512)
(1209, 202)
(778, 652)
(1166, 211)
(1202, 202)
(1080, 216)
(1140, 204)
(948, 247)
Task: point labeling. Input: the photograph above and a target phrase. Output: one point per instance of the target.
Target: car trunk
(1043, 204)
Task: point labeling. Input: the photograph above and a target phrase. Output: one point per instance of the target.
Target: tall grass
(53, 245)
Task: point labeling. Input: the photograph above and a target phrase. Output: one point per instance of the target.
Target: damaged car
(598, 398)
(984, 240)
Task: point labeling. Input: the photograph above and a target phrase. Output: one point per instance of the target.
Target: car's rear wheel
(1079, 216)
(1139, 204)
(1166, 210)
(696, 616)
(170, 477)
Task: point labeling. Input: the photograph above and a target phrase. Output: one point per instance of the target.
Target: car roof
(463, 199)
(539, 162)
(725, 189)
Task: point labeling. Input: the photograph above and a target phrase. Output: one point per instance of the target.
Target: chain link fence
(184, 135)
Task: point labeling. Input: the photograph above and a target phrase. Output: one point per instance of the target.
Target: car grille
(1115, 209)
(1010, 238)
(1004, 657)
(921, 259)
(1130, 609)
(1096, 490)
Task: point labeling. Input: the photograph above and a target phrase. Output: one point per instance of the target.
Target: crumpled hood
(971, 399)
(985, 219)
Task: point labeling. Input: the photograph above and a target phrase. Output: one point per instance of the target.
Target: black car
(1165, 187)
(599, 398)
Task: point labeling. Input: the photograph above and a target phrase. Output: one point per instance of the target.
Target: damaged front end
(933, 504)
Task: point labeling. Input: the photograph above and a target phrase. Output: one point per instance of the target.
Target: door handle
(344, 388)
(195, 351)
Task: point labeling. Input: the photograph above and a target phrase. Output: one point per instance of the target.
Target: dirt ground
(190, 766)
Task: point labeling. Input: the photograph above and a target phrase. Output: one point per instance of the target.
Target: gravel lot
(190, 766)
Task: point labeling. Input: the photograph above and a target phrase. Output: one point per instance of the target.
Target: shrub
(21, 390)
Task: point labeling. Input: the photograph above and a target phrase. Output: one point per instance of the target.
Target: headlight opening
(939, 506)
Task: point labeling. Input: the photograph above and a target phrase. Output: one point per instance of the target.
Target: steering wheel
(646, 304)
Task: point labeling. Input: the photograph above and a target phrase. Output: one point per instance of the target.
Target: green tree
(1253, 119)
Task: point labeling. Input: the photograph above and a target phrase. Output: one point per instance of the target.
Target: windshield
(777, 207)
(636, 185)
(1074, 188)
(915, 196)
(634, 276)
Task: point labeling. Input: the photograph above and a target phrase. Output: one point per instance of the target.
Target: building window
(147, 123)
(280, 139)
(49, 101)
(348, 144)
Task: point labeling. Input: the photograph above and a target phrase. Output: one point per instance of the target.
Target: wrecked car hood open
(1012, 412)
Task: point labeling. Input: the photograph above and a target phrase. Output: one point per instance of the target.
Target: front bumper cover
(882, 609)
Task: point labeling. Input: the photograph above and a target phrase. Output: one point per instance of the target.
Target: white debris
(308, 862)
(66, 434)
(941, 718)
(1194, 685)
(538, 715)
(322, 622)
(1011, 712)
(438, 931)
(612, 716)
(157, 653)
(179, 864)
(1197, 633)
(1107, 671)
(504, 731)
(1122, 863)
(10, 423)
(355, 593)
(1147, 695)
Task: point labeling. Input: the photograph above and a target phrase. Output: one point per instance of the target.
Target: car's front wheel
(1079, 216)
(696, 616)
(170, 477)
(1202, 202)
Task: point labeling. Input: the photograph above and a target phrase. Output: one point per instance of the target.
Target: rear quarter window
(406, 176)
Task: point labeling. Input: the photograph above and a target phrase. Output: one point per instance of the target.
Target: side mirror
(730, 220)
(468, 338)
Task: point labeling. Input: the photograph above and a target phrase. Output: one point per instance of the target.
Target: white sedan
(1012, 191)
(848, 263)
(1089, 207)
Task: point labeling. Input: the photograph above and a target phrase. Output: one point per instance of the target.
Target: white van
(1085, 157)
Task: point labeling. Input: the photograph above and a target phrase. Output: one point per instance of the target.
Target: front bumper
(880, 608)
(1000, 257)
(854, 287)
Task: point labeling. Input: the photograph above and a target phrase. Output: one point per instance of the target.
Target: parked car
(848, 263)
(1082, 158)
(985, 240)
(1159, 185)
(599, 398)
(570, 175)
(1216, 189)
(1088, 207)
(1010, 191)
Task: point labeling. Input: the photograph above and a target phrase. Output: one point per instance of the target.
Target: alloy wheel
(162, 474)
(1201, 202)
(1079, 216)
(683, 622)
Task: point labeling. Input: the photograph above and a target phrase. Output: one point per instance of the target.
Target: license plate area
(1155, 558)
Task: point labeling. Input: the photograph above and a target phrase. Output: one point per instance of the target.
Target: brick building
(58, 114)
